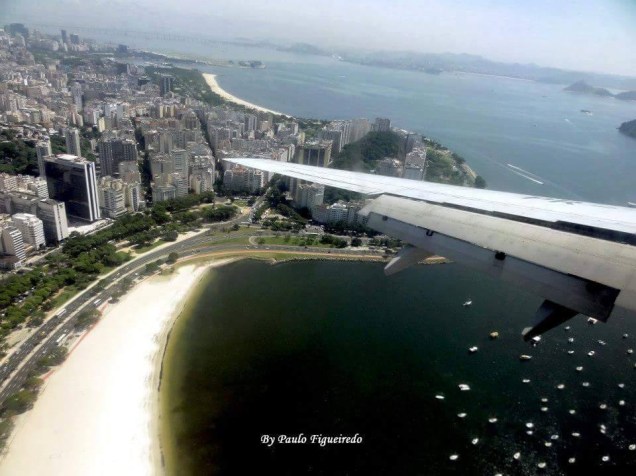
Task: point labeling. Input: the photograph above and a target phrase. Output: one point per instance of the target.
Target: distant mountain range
(584, 88)
(465, 63)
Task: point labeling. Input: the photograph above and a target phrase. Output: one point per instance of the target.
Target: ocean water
(491, 121)
(331, 348)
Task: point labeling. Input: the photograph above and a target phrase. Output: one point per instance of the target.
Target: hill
(628, 128)
(583, 87)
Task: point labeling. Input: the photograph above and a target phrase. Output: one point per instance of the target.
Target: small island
(584, 88)
(628, 128)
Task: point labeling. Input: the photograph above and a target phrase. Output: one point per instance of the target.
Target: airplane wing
(580, 257)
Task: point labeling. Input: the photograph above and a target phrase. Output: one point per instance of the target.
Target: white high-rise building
(31, 227)
(11, 242)
(310, 195)
(180, 160)
(53, 216)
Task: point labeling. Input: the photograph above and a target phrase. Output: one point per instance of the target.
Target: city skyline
(543, 33)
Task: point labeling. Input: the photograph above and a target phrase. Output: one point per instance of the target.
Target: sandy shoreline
(210, 79)
(98, 413)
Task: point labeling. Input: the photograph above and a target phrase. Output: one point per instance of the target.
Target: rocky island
(628, 128)
(585, 88)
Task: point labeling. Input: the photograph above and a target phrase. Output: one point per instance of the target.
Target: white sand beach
(97, 414)
(216, 88)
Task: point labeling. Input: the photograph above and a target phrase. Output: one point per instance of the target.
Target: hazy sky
(594, 35)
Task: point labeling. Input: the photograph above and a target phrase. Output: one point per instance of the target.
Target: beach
(210, 79)
(97, 413)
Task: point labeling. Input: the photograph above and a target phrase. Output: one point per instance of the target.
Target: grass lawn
(66, 294)
(293, 240)
(151, 246)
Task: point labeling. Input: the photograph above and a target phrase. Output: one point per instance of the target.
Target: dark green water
(337, 348)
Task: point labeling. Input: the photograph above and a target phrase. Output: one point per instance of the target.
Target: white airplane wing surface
(580, 257)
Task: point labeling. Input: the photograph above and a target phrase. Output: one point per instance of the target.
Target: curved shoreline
(214, 86)
(104, 399)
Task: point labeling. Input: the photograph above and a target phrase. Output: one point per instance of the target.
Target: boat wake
(525, 174)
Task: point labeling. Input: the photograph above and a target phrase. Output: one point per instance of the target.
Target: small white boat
(625, 336)
(475, 441)
(576, 434)
(571, 411)
(468, 303)
(492, 420)
(473, 349)
(586, 384)
(529, 425)
(572, 460)
(621, 385)
(571, 340)
(461, 415)
(570, 352)
(560, 386)
(630, 351)
(602, 342)
(591, 321)
(603, 406)
(591, 353)
(525, 357)
(621, 403)
(526, 380)
(463, 387)
(453, 457)
(632, 447)
(516, 456)
(439, 397)
(544, 409)
(579, 369)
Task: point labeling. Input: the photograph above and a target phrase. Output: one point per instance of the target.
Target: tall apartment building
(382, 124)
(31, 227)
(316, 153)
(72, 137)
(113, 151)
(359, 128)
(53, 216)
(42, 149)
(180, 161)
(73, 180)
(309, 195)
(11, 242)
(165, 84)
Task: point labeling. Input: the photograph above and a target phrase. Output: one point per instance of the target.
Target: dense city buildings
(110, 135)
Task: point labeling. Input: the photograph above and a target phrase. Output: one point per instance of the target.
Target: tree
(356, 242)
(480, 182)
(87, 318)
(172, 257)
